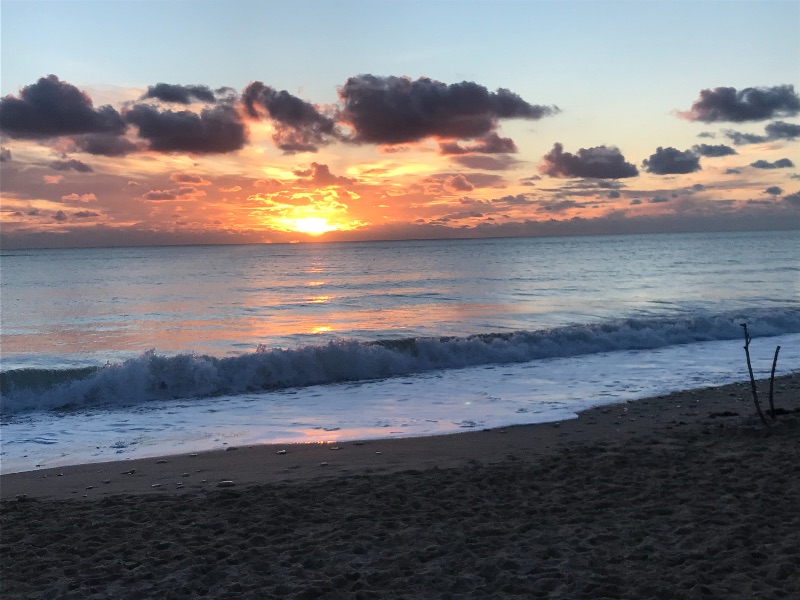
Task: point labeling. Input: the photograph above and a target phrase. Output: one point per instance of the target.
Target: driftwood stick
(772, 384)
(752, 377)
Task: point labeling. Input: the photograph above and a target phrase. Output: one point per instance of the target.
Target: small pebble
(335, 448)
(193, 454)
(161, 462)
(89, 487)
(379, 452)
(131, 472)
(226, 483)
(231, 448)
(281, 452)
(156, 485)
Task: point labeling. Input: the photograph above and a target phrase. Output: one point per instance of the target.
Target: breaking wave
(158, 377)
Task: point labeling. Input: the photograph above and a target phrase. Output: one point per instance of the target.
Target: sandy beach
(681, 496)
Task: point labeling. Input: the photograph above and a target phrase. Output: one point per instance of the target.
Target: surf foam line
(158, 377)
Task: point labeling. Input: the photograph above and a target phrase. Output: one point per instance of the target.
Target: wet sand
(681, 496)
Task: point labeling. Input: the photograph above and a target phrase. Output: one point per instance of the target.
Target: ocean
(118, 353)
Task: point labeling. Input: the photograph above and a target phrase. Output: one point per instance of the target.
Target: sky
(138, 122)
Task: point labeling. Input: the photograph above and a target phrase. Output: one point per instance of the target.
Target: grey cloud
(773, 190)
(658, 200)
(748, 104)
(602, 162)
(793, 199)
(85, 214)
(394, 110)
(713, 150)
(214, 130)
(490, 163)
(781, 163)
(104, 144)
(299, 125)
(490, 144)
(60, 216)
(180, 94)
(71, 165)
(5, 154)
(53, 108)
(670, 161)
(321, 175)
(780, 130)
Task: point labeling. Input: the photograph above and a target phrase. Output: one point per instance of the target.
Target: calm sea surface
(115, 333)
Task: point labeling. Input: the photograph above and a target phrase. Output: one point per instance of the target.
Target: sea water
(127, 352)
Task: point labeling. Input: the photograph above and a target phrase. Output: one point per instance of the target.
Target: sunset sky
(134, 122)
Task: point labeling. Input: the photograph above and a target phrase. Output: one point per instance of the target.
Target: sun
(312, 225)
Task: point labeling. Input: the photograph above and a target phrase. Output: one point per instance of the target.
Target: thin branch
(752, 377)
(772, 383)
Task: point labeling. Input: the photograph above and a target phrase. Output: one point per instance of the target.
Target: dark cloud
(706, 134)
(713, 150)
(52, 108)
(299, 125)
(60, 216)
(214, 130)
(741, 139)
(5, 154)
(613, 194)
(635, 201)
(458, 183)
(602, 162)
(732, 171)
(781, 130)
(773, 190)
(793, 199)
(319, 174)
(71, 165)
(85, 214)
(394, 110)
(516, 200)
(180, 94)
(658, 200)
(490, 144)
(778, 130)
(104, 144)
(182, 193)
(781, 163)
(670, 161)
(749, 104)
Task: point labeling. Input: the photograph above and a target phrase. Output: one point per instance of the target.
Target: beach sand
(681, 496)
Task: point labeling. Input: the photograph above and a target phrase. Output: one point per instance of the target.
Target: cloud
(781, 163)
(60, 216)
(182, 193)
(299, 125)
(232, 189)
(778, 130)
(559, 206)
(180, 94)
(713, 150)
(79, 198)
(749, 104)
(71, 165)
(104, 144)
(5, 154)
(53, 108)
(396, 110)
(85, 214)
(669, 161)
(52, 179)
(189, 178)
(793, 199)
(321, 175)
(773, 190)
(214, 130)
(458, 183)
(658, 200)
(490, 163)
(490, 144)
(602, 162)
(781, 130)
(635, 201)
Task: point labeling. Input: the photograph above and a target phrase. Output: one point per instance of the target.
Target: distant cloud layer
(396, 110)
(601, 162)
(748, 104)
(671, 161)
